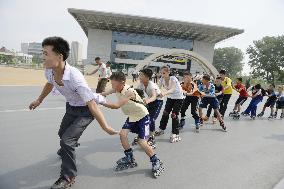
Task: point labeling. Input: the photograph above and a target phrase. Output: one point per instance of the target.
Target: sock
(153, 158)
(128, 151)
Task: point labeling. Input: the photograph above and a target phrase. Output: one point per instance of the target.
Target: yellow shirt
(227, 82)
(133, 110)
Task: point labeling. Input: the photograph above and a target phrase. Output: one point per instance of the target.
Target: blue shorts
(213, 101)
(279, 104)
(241, 100)
(270, 103)
(141, 127)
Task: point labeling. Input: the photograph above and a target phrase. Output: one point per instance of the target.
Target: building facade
(75, 57)
(127, 40)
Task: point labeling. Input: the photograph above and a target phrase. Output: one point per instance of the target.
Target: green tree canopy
(266, 59)
(230, 59)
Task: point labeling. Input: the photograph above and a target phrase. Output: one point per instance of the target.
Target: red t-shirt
(242, 90)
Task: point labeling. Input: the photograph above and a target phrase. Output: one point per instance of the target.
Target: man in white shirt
(81, 108)
(102, 81)
(108, 70)
(134, 75)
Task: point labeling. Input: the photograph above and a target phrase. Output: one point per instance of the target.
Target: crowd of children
(141, 112)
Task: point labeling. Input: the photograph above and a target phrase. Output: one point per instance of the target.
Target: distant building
(128, 40)
(75, 57)
(21, 58)
(24, 48)
(34, 49)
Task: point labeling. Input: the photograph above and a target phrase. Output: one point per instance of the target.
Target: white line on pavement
(27, 110)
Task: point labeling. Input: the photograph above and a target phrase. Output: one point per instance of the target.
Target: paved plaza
(249, 156)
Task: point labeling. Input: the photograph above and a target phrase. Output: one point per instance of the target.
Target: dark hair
(147, 72)
(118, 76)
(257, 86)
(222, 72)
(97, 58)
(59, 45)
(187, 73)
(218, 78)
(240, 79)
(206, 77)
(166, 67)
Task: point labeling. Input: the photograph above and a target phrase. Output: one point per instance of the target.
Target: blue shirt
(209, 92)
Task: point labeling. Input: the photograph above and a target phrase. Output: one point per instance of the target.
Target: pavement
(249, 156)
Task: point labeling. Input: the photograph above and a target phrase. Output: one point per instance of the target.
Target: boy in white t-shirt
(154, 102)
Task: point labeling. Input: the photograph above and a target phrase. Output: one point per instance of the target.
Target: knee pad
(174, 116)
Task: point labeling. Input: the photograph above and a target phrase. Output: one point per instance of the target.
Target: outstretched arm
(96, 112)
(45, 91)
(121, 102)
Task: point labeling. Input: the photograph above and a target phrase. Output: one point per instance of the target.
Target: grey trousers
(74, 122)
(101, 85)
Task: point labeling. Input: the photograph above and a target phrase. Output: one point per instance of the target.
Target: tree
(267, 59)
(230, 59)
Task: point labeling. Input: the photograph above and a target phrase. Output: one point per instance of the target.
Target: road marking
(28, 110)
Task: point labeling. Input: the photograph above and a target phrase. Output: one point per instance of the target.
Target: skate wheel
(132, 165)
(157, 173)
(119, 168)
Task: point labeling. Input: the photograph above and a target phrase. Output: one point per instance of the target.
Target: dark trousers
(74, 122)
(134, 77)
(101, 85)
(155, 79)
(174, 106)
(154, 109)
(220, 97)
(224, 103)
(193, 100)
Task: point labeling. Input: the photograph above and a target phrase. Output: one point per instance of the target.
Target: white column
(99, 45)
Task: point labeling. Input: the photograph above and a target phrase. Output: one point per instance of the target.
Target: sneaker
(159, 132)
(175, 138)
(270, 117)
(232, 113)
(275, 115)
(260, 114)
(244, 114)
(197, 125)
(63, 183)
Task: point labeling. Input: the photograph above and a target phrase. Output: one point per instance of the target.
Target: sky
(34, 20)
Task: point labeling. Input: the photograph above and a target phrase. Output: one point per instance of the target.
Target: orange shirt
(189, 88)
